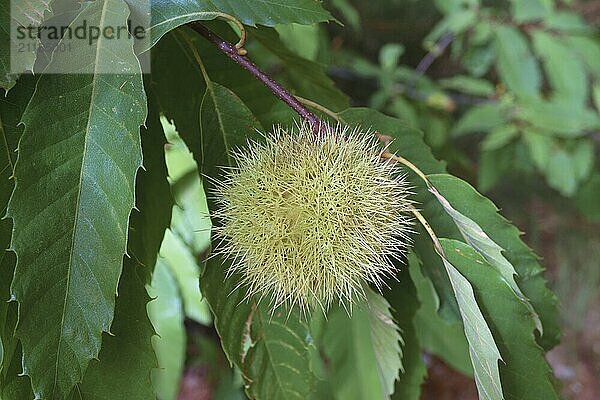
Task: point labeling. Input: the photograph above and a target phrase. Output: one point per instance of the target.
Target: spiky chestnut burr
(308, 219)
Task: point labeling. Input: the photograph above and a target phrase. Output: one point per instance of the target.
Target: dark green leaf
(587, 198)
(525, 373)
(225, 123)
(466, 200)
(12, 386)
(126, 346)
(122, 370)
(518, 68)
(75, 175)
(167, 15)
(154, 202)
(173, 58)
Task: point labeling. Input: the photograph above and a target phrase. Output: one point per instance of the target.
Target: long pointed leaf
(480, 241)
(482, 348)
(74, 191)
(482, 212)
(525, 373)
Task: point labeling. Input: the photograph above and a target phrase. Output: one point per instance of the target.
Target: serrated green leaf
(125, 346)
(167, 15)
(74, 191)
(123, 367)
(569, 81)
(166, 314)
(25, 13)
(445, 339)
(465, 199)
(517, 67)
(272, 351)
(482, 347)
(481, 118)
(364, 361)
(525, 373)
(152, 214)
(479, 240)
(12, 386)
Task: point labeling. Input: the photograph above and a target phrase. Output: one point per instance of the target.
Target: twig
(434, 53)
(231, 51)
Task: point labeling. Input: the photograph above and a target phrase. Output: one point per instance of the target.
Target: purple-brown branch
(231, 51)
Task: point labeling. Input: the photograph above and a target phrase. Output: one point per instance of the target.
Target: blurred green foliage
(505, 90)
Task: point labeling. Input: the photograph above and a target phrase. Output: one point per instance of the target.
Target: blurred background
(507, 92)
